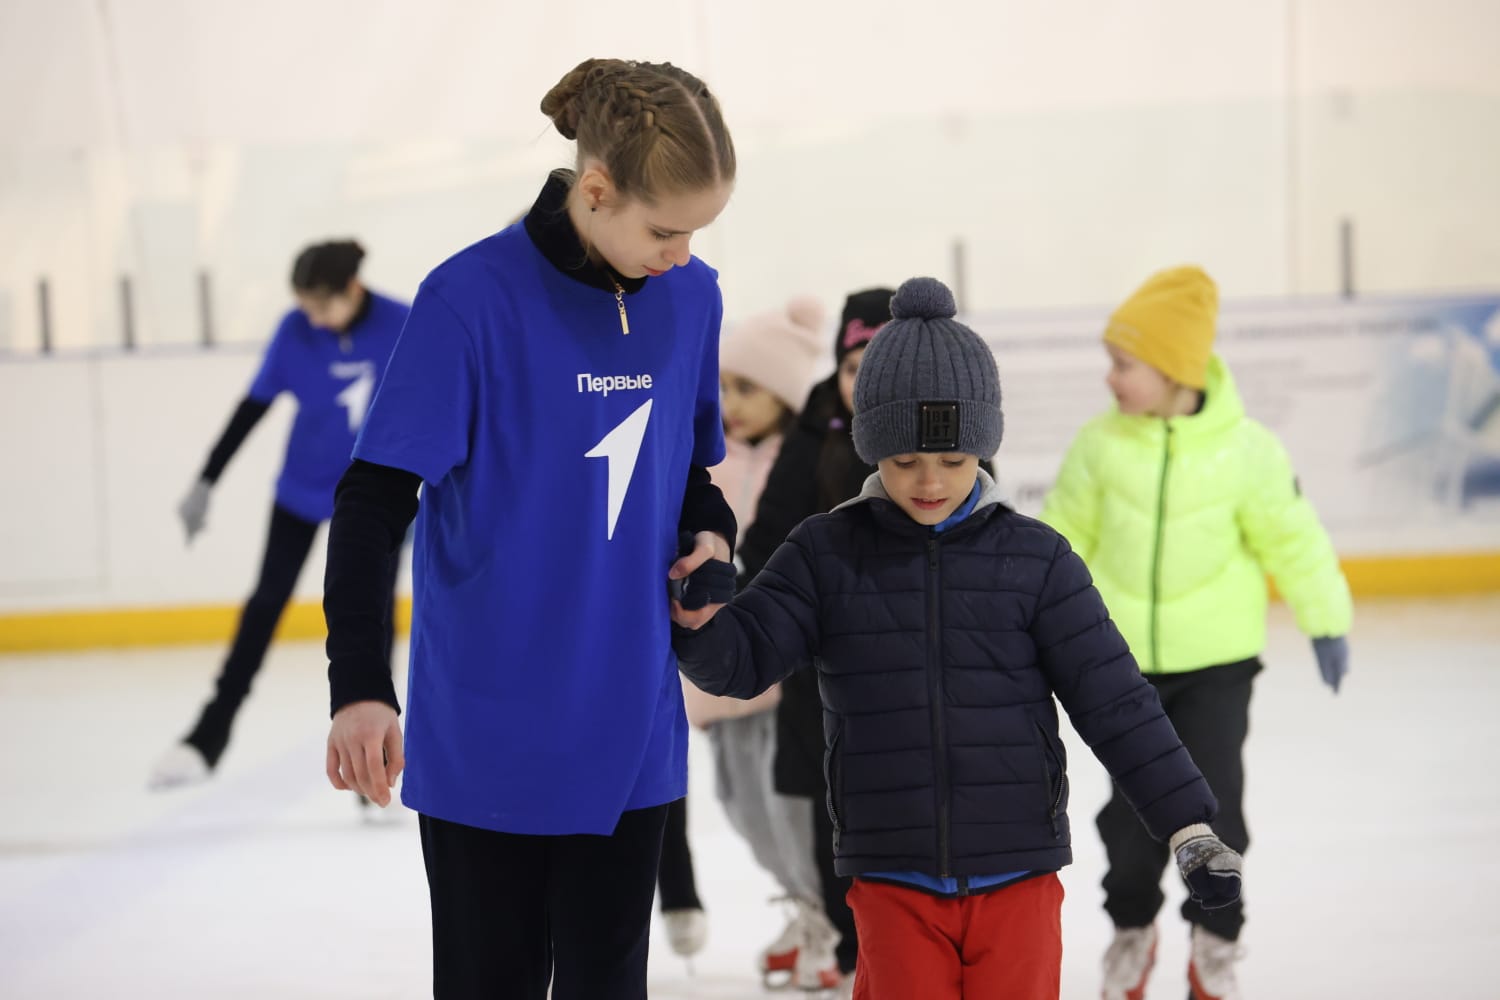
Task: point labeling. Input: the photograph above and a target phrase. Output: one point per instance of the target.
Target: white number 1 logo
(621, 447)
(355, 397)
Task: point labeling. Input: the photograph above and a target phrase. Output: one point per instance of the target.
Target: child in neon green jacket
(1181, 505)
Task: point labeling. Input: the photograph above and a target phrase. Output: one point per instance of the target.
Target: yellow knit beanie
(1169, 324)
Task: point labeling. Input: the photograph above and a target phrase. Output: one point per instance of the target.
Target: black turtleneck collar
(552, 231)
(359, 314)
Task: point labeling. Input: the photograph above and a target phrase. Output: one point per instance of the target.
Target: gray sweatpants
(778, 828)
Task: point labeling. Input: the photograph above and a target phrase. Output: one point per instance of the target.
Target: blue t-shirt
(554, 451)
(333, 377)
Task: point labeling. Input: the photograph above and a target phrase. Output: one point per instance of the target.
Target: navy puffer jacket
(938, 657)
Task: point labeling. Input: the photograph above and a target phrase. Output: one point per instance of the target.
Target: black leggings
(1210, 709)
(288, 542)
(679, 888)
(512, 913)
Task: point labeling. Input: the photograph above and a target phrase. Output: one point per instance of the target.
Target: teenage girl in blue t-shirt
(555, 397)
(328, 353)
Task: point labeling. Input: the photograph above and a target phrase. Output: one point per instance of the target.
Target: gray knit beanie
(927, 382)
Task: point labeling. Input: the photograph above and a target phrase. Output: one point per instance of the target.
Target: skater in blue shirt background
(327, 354)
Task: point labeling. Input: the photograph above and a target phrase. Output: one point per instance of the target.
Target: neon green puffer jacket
(1180, 520)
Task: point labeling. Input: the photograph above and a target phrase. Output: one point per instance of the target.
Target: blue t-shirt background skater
(328, 353)
(333, 380)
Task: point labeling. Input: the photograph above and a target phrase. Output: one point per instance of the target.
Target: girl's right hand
(364, 750)
(694, 619)
(700, 549)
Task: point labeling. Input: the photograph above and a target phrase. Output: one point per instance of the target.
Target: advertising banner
(1390, 409)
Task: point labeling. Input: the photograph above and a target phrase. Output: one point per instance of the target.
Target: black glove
(1210, 868)
(711, 583)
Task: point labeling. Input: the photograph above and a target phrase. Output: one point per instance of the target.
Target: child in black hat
(942, 624)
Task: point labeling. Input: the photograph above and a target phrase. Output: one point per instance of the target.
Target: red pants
(1005, 944)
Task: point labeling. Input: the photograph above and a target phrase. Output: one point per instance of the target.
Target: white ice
(1374, 872)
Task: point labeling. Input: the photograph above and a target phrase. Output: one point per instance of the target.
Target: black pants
(509, 911)
(288, 542)
(1210, 709)
(679, 889)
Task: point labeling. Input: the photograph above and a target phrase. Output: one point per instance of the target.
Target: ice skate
(778, 960)
(1128, 962)
(816, 969)
(181, 765)
(687, 931)
(1211, 968)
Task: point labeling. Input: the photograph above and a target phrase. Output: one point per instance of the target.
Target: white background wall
(98, 450)
(1071, 146)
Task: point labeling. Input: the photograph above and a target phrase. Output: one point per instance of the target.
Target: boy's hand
(1333, 659)
(1211, 869)
(702, 580)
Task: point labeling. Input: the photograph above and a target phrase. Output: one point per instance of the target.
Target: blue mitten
(1333, 659)
(1210, 868)
(711, 583)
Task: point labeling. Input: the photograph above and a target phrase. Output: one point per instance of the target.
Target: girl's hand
(364, 750)
(707, 545)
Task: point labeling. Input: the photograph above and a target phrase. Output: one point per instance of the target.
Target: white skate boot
(1128, 962)
(182, 764)
(1211, 968)
(816, 969)
(687, 931)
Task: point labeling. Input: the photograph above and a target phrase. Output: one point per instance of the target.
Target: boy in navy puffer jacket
(942, 624)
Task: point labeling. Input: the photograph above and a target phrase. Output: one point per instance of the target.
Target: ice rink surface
(1374, 870)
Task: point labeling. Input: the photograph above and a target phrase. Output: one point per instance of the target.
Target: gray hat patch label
(937, 426)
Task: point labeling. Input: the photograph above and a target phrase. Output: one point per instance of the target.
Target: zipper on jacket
(1161, 520)
(1054, 785)
(935, 696)
(620, 304)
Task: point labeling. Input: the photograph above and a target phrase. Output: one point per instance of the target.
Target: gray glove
(1210, 868)
(194, 508)
(1333, 659)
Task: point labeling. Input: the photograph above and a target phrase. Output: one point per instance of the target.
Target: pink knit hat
(779, 351)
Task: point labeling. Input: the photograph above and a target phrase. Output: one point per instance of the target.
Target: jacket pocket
(1054, 773)
(832, 773)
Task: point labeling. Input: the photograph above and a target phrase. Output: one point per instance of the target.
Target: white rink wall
(1070, 146)
(97, 453)
(1390, 411)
